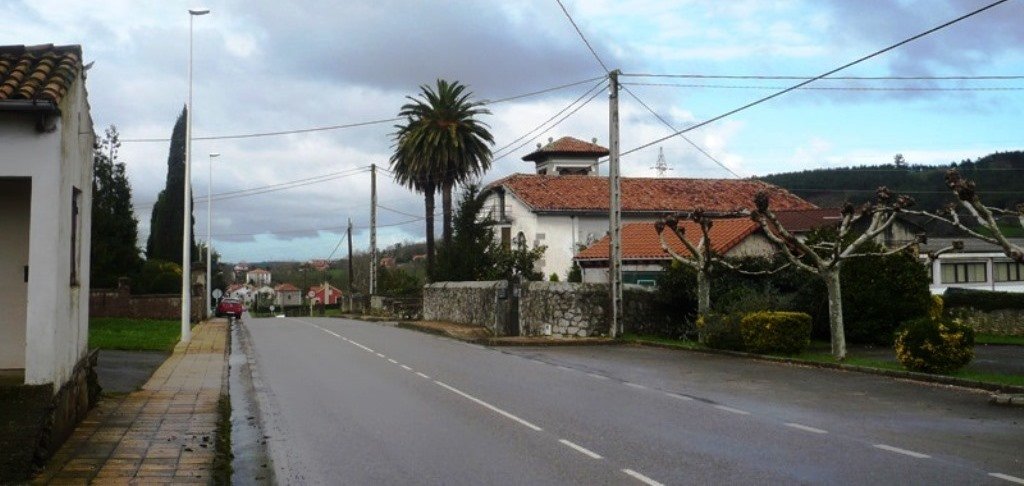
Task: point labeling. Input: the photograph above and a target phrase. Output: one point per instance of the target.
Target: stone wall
(468, 303)
(120, 302)
(1008, 322)
(563, 309)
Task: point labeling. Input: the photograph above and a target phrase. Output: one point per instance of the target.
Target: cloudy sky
(266, 66)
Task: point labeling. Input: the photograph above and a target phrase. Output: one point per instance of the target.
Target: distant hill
(999, 176)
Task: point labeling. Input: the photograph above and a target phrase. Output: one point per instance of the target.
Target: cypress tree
(115, 230)
(166, 221)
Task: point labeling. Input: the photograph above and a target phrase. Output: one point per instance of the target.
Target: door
(15, 207)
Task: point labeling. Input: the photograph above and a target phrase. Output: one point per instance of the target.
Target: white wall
(15, 204)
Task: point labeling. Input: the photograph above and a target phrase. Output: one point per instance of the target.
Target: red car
(229, 307)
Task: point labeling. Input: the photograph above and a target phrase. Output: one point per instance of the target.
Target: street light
(186, 241)
(209, 236)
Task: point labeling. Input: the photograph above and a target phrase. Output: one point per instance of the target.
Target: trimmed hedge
(983, 300)
(776, 332)
(721, 331)
(934, 346)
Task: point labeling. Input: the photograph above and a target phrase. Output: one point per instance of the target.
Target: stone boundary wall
(1008, 322)
(120, 303)
(536, 308)
(474, 303)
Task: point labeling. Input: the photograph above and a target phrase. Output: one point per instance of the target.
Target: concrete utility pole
(373, 229)
(186, 232)
(350, 256)
(614, 207)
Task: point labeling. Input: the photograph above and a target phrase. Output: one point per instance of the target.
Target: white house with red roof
(287, 295)
(258, 277)
(564, 204)
(333, 294)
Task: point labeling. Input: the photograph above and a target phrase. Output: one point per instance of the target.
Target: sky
(268, 66)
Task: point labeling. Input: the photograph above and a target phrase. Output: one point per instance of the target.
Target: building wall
(288, 298)
(937, 286)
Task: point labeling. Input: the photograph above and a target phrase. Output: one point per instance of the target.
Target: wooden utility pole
(349, 256)
(614, 208)
(373, 229)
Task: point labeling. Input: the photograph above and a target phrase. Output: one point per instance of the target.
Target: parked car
(229, 307)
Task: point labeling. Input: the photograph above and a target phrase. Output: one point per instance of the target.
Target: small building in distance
(287, 295)
(258, 277)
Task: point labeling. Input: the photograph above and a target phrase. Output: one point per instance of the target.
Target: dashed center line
(599, 377)
(421, 375)
(1007, 477)
(905, 452)
(487, 405)
(380, 355)
(582, 450)
(406, 368)
(392, 361)
(679, 397)
(635, 385)
(643, 479)
(566, 368)
(732, 410)
(806, 428)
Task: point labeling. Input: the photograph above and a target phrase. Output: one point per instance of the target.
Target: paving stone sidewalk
(162, 434)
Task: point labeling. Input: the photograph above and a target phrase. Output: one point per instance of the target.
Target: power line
(539, 128)
(583, 37)
(830, 78)
(821, 76)
(559, 122)
(826, 88)
(534, 93)
(310, 230)
(670, 127)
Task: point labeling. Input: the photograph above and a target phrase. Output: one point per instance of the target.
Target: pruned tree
(825, 259)
(986, 216)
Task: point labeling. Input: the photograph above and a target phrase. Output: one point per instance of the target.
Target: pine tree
(115, 230)
(165, 223)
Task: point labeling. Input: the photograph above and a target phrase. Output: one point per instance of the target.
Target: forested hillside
(999, 176)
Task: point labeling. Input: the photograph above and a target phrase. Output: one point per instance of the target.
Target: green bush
(983, 300)
(721, 331)
(934, 346)
(937, 308)
(776, 332)
(879, 293)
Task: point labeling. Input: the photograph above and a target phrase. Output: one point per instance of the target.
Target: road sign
(271, 308)
(217, 293)
(311, 294)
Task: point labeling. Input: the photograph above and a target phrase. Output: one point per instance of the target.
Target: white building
(981, 266)
(258, 277)
(564, 205)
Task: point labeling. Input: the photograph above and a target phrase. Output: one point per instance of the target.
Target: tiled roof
(590, 193)
(43, 72)
(640, 241)
(287, 287)
(808, 219)
(567, 146)
(258, 271)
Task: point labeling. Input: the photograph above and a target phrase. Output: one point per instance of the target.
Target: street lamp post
(209, 237)
(186, 241)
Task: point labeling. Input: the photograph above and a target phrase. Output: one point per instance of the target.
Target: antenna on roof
(661, 166)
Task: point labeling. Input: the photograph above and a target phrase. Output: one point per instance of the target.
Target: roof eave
(31, 106)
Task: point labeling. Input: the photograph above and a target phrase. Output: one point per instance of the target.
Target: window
(1008, 271)
(76, 201)
(506, 238)
(647, 282)
(971, 272)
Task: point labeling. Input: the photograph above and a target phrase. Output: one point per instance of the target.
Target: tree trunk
(703, 292)
(446, 213)
(428, 202)
(835, 313)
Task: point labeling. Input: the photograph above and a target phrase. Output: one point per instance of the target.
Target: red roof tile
(287, 287)
(567, 146)
(640, 241)
(590, 193)
(43, 72)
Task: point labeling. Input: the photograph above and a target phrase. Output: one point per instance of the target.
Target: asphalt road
(348, 402)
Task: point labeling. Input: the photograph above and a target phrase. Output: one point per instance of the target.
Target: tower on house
(567, 156)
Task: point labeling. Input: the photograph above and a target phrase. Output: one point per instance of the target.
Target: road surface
(348, 402)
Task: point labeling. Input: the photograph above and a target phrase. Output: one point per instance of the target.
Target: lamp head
(198, 11)
(214, 154)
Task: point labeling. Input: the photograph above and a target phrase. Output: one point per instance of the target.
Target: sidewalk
(164, 433)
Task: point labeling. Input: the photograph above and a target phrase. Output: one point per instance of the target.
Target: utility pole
(350, 256)
(373, 229)
(614, 208)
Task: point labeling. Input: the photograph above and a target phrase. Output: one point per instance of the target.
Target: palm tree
(440, 145)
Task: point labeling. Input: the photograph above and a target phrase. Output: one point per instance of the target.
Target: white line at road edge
(635, 385)
(487, 405)
(902, 451)
(806, 428)
(599, 377)
(732, 410)
(582, 450)
(643, 479)
(679, 397)
(1007, 477)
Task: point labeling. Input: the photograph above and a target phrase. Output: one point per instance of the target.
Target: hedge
(983, 300)
(934, 346)
(776, 332)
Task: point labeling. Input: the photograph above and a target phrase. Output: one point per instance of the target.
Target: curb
(499, 342)
(1008, 400)
(907, 375)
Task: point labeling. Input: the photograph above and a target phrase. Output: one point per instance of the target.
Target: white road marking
(732, 410)
(421, 375)
(643, 479)
(1007, 477)
(379, 355)
(806, 428)
(902, 451)
(635, 385)
(406, 368)
(564, 368)
(392, 361)
(486, 405)
(599, 377)
(679, 397)
(582, 450)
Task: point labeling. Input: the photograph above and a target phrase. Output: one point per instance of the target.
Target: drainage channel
(250, 462)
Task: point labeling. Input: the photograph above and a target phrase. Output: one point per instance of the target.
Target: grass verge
(133, 334)
(994, 339)
(818, 354)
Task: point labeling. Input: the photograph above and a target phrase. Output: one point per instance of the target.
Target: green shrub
(879, 293)
(721, 331)
(934, 346)
(937, 307)
(769, 332)
(553, 277)
(983, 300)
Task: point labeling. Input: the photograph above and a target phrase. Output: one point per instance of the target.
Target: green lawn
(133, 334)
(994, 339)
